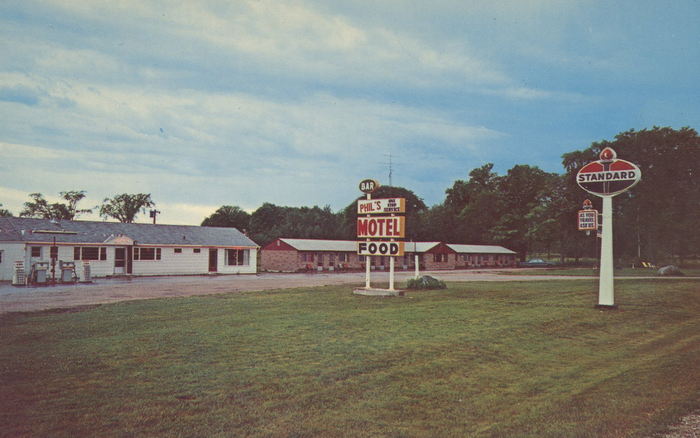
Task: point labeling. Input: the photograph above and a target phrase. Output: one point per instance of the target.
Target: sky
(211, 103)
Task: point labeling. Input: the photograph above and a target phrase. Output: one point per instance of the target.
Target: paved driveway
(23, 299)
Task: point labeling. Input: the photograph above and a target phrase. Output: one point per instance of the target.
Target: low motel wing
(298, 255)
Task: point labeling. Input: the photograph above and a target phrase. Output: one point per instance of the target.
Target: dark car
(536, 263)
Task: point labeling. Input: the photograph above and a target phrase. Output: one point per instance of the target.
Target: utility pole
(153, 214)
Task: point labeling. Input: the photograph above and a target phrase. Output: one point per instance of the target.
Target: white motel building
(114, 249)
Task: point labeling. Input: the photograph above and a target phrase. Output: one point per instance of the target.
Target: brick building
(293, 255)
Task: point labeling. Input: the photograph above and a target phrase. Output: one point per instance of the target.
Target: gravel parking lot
(27, 299)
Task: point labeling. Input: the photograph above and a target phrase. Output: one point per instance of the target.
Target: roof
(19, 229)
(480, 249)
(419, 247)
(321, 245)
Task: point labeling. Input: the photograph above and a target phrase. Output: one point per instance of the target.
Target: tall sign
(607, 178)
(380, 228)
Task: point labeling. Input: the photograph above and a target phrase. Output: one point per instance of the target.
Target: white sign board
(587, 220)
(381, 206)
(381, 227)
(391, 249)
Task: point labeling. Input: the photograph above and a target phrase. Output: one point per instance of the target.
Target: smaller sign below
(587, 220)
(378, 206)
(391, 249)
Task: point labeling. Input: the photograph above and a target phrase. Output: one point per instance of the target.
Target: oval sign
(608, 177)
(368, 185)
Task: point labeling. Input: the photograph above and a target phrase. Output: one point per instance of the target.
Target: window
(342, 257)
(362, 259)
(307, 257)
(237, 257)
(54, 252)
(147, 253)
(0, 256)
(36, 251)
(178, 250)
(196, 250)
(319, 257)
(89, 253)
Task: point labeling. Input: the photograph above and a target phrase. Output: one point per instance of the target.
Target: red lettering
(381, 222)
(361, 227)
(371, 227)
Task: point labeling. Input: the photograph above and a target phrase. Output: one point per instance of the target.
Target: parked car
(536, 263)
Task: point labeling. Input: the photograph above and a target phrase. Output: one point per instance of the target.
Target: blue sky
(209, 103)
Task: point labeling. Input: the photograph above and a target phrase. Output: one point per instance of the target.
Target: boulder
(670, 271)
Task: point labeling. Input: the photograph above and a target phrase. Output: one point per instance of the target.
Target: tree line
(527, 209)
(124, 207)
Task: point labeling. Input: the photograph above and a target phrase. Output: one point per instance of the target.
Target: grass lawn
(477, 359)
(624, 272)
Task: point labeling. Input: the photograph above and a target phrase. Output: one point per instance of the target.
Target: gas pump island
(388, 227)
(605, 178)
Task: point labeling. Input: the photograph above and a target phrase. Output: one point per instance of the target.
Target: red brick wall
(281, 261)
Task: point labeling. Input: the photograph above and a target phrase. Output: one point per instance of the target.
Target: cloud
(20, 94)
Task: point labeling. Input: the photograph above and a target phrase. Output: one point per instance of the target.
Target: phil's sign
(608, 176)
(587, 220)
(380, 227)
(381, 206)
(395, 249)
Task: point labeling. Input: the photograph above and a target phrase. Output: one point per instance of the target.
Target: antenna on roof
(391, 169)
(153, 214)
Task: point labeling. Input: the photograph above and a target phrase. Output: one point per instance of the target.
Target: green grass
(590, 272)
(477, 359)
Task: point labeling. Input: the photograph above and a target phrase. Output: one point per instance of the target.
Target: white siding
(188, 262)
(11, 253)
(185, 263)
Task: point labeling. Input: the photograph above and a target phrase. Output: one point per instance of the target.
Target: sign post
(377, 220)
(368, 186)
(607, 178)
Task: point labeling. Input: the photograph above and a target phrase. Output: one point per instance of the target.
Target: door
(119, 260)
(213, 259)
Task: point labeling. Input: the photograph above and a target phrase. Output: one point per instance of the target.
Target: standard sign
(381, 227)
(380, 248)
(381, 206)
(587, 220)
(608, 176)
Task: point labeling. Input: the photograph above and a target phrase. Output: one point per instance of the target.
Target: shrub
(425, 282)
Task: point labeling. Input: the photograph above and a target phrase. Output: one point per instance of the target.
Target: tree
(125, 207)
(228, 216)
(415, 207)
(39, 206)
(4, 212)
(657, 218)
(270, 222)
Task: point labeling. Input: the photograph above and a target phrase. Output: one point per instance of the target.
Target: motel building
(116, 249)
(299, 255)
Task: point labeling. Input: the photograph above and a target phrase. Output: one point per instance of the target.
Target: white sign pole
(391, 269)
(606, 288)
(391, 273)
(368, 259)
